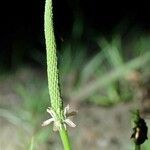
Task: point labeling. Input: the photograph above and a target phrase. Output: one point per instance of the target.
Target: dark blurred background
(22, 32)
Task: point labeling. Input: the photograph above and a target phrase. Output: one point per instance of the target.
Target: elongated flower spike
(59, 114)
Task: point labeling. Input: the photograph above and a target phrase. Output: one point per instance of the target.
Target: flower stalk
(59, 115)
(137, 147)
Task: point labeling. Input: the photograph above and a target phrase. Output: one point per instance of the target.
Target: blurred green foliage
(106, 76)
(34, 98)
(146, 145)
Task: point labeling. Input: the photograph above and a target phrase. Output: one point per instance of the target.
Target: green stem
(137, 147)
(65, 140)
(52, 72)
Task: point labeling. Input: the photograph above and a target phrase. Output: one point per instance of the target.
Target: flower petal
(70, 123)
(47, 122)
(66, 109)
(50, 111)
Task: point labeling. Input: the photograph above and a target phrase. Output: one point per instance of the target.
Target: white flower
(59, 122)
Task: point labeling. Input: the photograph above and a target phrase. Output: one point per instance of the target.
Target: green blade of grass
(84, 92)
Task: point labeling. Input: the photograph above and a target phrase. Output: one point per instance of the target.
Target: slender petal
(70, 123)
(66, 109)
(51, 112)
(47, 122)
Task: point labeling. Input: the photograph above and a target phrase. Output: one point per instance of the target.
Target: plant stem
(137, 147)
(32, 143)
(65, 140)
(52, 72)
